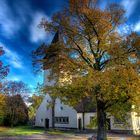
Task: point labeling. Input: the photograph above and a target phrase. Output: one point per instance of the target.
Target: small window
(117, 121)
(61, 120)
(61, 107)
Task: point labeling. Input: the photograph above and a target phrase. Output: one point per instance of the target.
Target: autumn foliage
(13, 110)
(103, 63)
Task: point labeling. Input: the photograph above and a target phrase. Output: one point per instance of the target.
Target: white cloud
(129, 6)
(8, 25)
(37, 34)
(13, 78)
(137, 27)
(12, 57)
(125, 29)
(128, 28)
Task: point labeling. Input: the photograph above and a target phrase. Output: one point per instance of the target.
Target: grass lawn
(29, 130)
(20, 130)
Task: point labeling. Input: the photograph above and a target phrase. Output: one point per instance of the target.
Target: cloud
(129, 6)
(19, 15)
(125, 29)
(13, 17)
(38, 34)
(128, 28)
(7, 24)
(13, 78)
(137, 27)
(12, 58)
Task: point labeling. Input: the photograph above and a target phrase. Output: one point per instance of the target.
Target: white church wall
(62, 110)
(43, 112)
(46, 79)
(135, 123)
(118, 125)
(87, 119)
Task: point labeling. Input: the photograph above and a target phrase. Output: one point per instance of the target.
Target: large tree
(106, 62)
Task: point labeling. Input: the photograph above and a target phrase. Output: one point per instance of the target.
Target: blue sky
(19, 34)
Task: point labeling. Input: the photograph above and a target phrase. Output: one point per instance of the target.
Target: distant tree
(107, 62)
(14, 107)
(3, 69)
(2, 108)
(16, 111)
(14, 88)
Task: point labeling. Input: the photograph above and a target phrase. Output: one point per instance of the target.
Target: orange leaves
(75, 4)
(117, 13)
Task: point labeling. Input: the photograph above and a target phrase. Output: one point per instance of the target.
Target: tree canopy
(104, 64)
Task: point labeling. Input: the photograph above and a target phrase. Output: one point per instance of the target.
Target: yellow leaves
(117, 83)
(2, 104)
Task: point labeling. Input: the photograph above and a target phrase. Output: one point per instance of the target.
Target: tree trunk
(53, 113)
(12, 118)
(101, 121)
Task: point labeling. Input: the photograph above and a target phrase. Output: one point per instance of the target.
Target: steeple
(52, 51)
(55, 38)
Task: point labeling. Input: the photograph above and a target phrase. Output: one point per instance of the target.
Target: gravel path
(44, 137)
(64, 137)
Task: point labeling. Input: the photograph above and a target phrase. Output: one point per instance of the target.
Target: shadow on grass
(60, 132)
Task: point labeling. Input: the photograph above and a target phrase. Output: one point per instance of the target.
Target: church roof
(85, 106)
(55, 38)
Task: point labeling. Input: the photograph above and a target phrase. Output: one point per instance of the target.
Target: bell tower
(51, 59)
